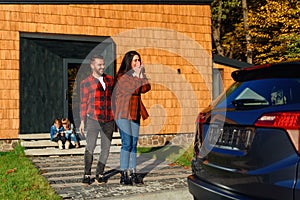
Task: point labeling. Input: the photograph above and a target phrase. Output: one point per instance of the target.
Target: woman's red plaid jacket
(127, 94)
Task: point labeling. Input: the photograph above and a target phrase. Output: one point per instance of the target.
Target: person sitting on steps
(70, 133)
(57, 134)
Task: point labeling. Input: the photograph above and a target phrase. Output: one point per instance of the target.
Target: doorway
(50, 65)
(72, 81)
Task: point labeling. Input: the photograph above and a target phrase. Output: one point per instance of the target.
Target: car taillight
(290, 121)
(201, 118)
(256, 67)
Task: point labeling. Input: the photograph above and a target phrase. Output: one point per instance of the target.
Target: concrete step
(39, 144)
(114, 180)
(46, 136)
(51, 151)
(48, 143)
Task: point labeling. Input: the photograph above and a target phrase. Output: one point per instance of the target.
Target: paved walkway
(162, 180)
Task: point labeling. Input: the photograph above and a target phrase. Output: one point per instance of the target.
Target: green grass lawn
(20, 180)
(174, 154)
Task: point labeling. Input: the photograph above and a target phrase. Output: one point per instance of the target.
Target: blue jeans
(71, 137)
(129, 131)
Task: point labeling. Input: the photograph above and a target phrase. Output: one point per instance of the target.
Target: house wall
(174, 41)
(227, 79)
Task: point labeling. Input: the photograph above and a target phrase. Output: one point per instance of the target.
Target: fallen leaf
(11, 171)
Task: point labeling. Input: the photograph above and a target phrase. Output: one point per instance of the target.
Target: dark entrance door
(72, 88)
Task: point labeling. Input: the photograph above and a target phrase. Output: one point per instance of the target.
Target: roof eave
(230, 62)
(186, 2)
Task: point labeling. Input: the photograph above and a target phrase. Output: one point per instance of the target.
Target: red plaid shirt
(95, 101)
(128, 102)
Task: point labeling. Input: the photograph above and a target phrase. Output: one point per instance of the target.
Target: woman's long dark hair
(124, 68)
(126, 63)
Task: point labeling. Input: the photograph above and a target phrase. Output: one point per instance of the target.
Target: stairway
(40, 145)
(64, 174)
(63, 169)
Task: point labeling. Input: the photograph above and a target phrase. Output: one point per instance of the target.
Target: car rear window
(264, 92)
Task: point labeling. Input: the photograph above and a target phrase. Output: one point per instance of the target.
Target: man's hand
(81, 128)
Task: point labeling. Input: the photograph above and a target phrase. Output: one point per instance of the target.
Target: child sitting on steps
(70, 133)
(57, 134)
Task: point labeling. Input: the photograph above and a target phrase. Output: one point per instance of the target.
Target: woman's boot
(136, 179)
(125, 179)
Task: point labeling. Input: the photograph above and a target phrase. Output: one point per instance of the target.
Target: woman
(131, 82)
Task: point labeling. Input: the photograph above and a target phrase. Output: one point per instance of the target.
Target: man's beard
(99, 73)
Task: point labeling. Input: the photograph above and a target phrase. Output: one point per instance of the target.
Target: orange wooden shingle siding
(227, 80)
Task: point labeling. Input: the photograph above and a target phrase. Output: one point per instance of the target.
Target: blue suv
(247, 142)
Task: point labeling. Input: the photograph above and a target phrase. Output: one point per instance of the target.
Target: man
(96, 113)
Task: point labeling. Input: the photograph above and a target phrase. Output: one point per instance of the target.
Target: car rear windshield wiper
(249, 102)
